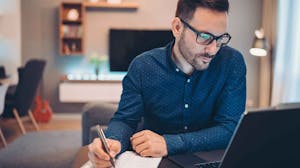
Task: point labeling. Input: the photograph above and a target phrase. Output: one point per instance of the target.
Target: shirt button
(188, 81)
(186, 106)
(185, 127)
(177, 70)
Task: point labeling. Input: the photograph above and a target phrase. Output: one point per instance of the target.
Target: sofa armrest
(93, 114)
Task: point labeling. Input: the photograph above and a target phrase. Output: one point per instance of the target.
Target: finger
(138, 134)
(96, 148)
(105, 164)
(115, 147)
(114, 152)
(97, 161)
(137, 141)
(146, 153)
(110, 147)
(91, 157)
(141, 147)
(91, 152)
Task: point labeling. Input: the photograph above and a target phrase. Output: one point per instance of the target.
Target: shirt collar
(170, 62)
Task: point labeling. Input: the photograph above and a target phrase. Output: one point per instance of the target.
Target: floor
(11, 130)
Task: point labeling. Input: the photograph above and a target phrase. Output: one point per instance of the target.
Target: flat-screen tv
(125, 44)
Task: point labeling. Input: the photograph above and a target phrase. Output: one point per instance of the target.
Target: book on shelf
(71, 31)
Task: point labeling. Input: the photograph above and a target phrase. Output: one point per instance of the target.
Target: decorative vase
(97, 70)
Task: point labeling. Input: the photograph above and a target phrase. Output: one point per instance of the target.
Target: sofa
(98, 113)
(95, 113)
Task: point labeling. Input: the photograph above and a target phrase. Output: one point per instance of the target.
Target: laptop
(267, 138)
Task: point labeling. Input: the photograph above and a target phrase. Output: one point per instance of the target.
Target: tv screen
(125, 44)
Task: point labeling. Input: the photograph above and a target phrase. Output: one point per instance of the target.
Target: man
(190, 93)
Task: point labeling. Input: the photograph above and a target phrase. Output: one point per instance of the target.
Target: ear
(177, 27)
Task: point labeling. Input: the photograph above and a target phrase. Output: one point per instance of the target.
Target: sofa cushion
(95, 113)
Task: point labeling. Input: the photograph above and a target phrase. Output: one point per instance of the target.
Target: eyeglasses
(206, 38)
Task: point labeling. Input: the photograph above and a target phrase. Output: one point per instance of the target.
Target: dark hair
(186, 8)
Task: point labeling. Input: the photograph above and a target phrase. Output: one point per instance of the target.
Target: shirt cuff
(121, 132)
(175, 144)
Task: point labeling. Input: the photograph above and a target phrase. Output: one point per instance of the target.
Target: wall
(40, 37)
(10, 36)
(244, 18)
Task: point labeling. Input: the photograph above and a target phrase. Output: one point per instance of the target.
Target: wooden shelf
(71, 28)
(72, 23)
(73, 53)
(65, 21)
(123, 5)
(71, 38)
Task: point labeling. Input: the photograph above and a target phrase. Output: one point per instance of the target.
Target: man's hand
(97, 155)
(148, 143)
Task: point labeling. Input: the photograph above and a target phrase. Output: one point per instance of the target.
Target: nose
(212, 48)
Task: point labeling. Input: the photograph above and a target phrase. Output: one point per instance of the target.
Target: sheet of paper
(130, 159)
(87, 164)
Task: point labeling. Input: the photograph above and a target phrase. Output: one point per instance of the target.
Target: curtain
(286, 81)
(269, 24)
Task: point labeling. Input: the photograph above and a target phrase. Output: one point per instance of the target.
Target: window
(286, 83)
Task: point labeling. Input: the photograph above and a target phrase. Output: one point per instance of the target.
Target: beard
(199, 61)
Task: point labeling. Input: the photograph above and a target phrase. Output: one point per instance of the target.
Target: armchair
(18, 105)
(3, 89)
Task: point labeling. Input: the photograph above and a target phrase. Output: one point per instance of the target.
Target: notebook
(130, 159)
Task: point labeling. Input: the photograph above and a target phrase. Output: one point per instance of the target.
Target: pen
(104, 144)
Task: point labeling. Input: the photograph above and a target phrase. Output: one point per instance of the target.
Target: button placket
(187, 101)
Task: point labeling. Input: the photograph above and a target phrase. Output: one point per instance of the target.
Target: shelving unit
(123, 5)
(72, 23)
(71, 28)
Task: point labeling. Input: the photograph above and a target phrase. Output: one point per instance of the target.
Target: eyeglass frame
(214, 37)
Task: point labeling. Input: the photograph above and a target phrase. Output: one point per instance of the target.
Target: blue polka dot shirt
(196, 112)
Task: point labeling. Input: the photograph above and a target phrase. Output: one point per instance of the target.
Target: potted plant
(98, 61)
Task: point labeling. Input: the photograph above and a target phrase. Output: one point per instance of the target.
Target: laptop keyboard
(208, 165)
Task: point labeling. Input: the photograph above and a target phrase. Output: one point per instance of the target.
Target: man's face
(204, 20)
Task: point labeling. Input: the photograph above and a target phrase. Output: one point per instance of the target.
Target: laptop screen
(265, 139)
